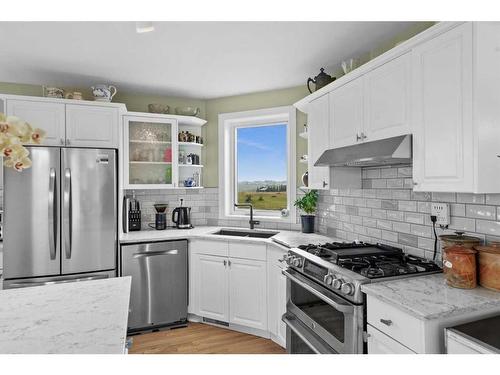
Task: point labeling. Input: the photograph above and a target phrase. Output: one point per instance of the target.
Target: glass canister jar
(459, 265)
(489, 265)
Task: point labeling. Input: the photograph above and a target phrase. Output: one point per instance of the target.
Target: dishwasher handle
(155, 253)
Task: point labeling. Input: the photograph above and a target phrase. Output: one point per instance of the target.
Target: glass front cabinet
(150, 149)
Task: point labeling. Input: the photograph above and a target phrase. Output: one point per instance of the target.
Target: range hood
(395, 150)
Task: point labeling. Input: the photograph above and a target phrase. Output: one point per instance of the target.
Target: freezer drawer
(159, 294)
(40, 281)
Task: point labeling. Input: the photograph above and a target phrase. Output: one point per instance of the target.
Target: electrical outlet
(442, 213)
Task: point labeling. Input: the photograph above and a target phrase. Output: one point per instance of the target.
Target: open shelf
(151, 162)
(191, 144)
(150, 142)
(191, 165)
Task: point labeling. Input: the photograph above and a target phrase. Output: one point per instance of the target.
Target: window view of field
(261, 165)
(267, 195)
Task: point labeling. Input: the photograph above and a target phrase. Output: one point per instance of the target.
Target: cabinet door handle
(358, 137)
(387, 322)
(67, 141)
(363, 136)
(325, 184)
(498, 155)
(225, 262)
(61, 141)
(229, 263)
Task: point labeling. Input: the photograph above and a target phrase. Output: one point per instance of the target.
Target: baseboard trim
(234, 327)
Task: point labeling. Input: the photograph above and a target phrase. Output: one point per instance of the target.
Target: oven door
(301, 340)
(328, 317)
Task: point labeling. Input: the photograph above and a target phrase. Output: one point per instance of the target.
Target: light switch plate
(442, 213)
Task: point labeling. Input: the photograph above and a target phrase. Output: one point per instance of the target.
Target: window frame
(228, 123)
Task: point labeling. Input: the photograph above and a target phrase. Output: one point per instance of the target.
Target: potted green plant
(307, 204)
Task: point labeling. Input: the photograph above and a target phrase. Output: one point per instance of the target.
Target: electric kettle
(181, 217)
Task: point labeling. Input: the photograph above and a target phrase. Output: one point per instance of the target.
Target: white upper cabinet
(387, 100)
(346, 114)
(443, 147)
(91, 126)
(318, 135)
(44, 115)
(67, 123)
(247, 293)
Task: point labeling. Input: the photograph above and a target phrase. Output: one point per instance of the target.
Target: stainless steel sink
(244, 233)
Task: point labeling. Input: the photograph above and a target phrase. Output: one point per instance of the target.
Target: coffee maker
(181, 217)
(161, 216)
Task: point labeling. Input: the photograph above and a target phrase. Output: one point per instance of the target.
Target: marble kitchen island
(87, 317)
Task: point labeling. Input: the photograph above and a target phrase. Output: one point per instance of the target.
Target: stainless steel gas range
(326, 310)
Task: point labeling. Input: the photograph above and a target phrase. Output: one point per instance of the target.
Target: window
(257, 163)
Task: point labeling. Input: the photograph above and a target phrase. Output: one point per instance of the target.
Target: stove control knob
(337, 283)
(297, 262)
(289, 260)
(347, 288)
(328, 279)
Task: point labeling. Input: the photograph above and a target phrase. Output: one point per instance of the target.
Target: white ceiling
(191, 59)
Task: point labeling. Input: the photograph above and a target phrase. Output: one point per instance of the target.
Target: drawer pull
(387, 322)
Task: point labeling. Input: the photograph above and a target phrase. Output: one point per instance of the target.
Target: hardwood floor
(200, 338)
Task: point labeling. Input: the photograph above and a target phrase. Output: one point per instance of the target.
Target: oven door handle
(331, 299)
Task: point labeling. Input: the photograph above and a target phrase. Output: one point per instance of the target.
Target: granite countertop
(285, 238)
(87, 317)
(428, 297)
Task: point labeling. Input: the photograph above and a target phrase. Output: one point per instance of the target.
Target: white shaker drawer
(247, 250)
(380, 343)
(217, 248)
(395, 323)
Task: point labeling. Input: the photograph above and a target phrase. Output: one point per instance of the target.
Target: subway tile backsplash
(386, 210)
(204, 205)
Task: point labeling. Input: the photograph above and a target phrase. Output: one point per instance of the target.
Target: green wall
(248, 102)
(210, 109)
(134, 101)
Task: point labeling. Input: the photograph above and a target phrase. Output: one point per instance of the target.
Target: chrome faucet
(252, 222)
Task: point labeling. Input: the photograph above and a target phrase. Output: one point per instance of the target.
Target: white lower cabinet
(380, 343)
(229, 289)
(276, 294)
(213, 284)
(247, 293)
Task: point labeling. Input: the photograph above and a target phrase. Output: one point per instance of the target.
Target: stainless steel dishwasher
(159, 295)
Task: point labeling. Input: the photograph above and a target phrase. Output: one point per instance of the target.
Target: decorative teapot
(322, 79)
(103, 93)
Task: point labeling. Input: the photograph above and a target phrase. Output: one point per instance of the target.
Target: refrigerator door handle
(52, 214)
(67, 213)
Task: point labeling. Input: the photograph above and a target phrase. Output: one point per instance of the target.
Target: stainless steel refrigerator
(61, 217)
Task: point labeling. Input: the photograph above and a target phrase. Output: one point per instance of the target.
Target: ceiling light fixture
(144, 27)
